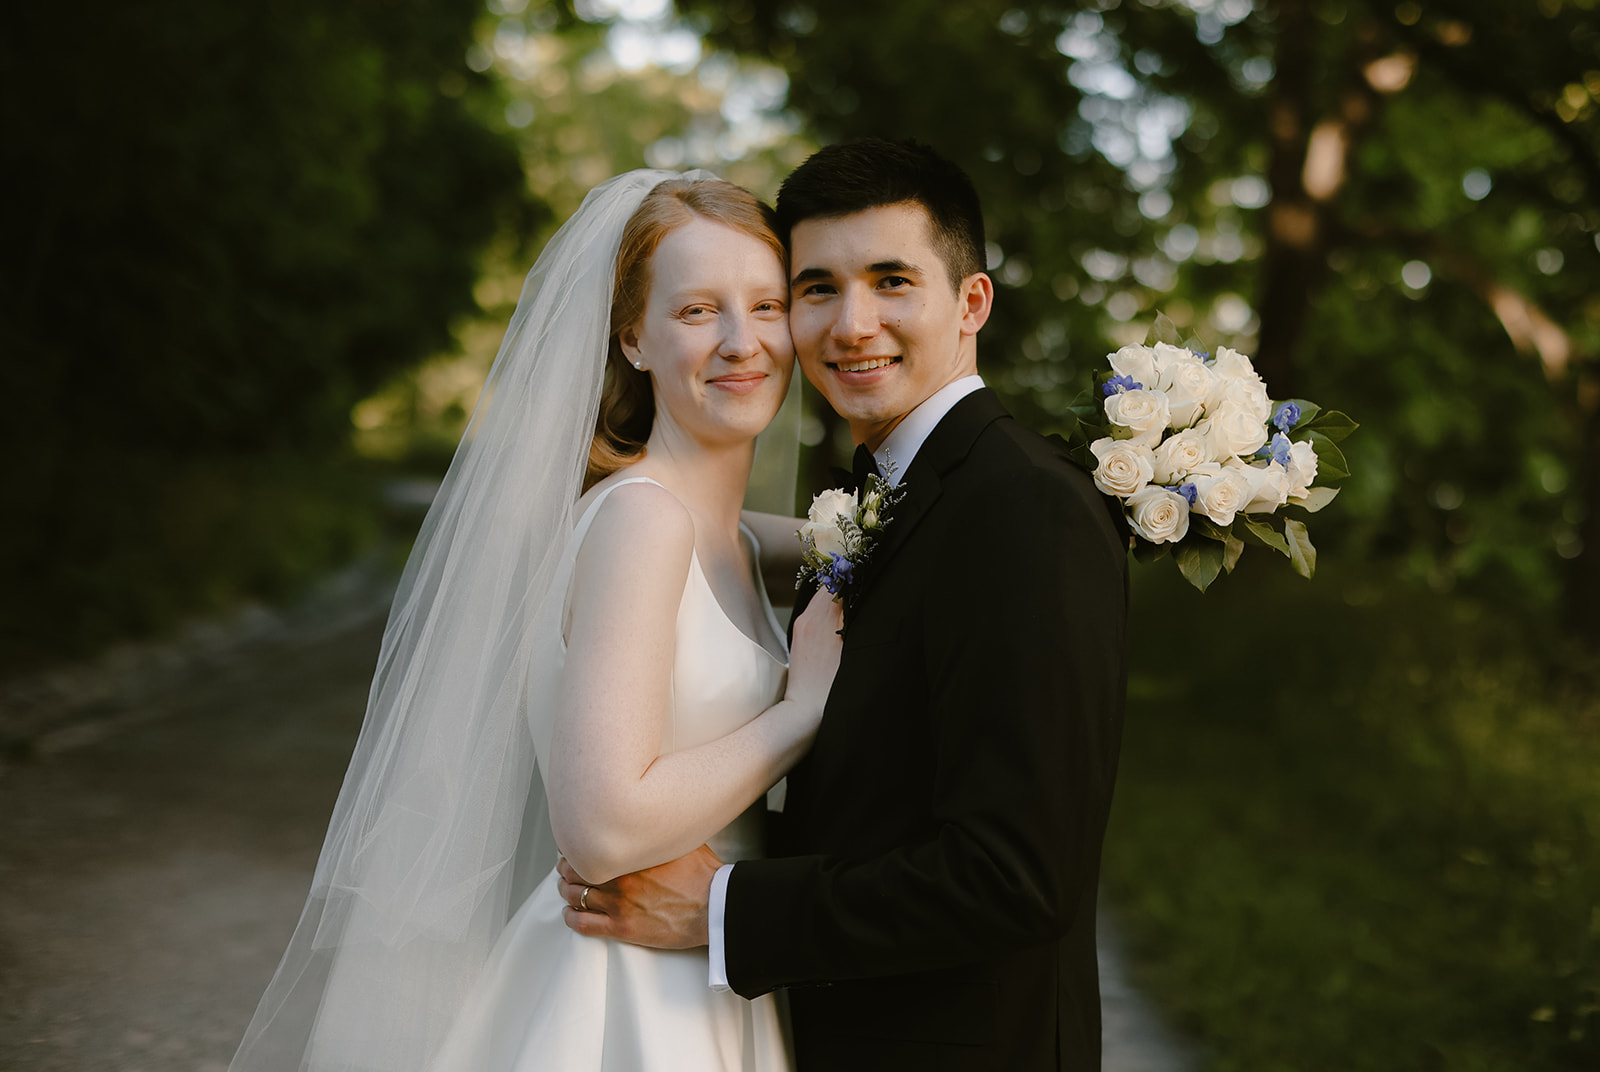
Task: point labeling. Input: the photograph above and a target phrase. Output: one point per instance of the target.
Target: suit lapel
(945, 447)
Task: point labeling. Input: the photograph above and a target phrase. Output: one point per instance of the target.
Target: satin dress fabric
(549, 998)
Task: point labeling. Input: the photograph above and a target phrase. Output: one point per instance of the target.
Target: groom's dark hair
(873, 172)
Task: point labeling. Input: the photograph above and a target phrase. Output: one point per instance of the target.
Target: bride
(600, 672)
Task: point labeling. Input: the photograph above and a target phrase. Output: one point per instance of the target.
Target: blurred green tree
(626, 84)
(228, 223)
(1393, 206)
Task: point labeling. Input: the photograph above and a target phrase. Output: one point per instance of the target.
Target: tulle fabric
(440, 827)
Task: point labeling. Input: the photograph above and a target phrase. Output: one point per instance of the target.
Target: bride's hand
(814, 653)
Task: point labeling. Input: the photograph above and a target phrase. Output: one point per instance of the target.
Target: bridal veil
(440, 828)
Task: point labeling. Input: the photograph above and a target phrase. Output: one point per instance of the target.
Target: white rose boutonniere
(841, 531)
(823, 531)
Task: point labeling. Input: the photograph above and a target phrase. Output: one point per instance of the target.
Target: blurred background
(259, 258)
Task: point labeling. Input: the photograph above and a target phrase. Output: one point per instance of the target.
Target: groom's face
(877, 325)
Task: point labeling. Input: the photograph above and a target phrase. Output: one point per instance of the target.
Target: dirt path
(156, 848)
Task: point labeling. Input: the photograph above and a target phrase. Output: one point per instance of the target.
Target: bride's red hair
(627, 403)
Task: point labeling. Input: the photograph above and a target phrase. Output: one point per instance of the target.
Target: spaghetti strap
(575, 543)
(581, 528)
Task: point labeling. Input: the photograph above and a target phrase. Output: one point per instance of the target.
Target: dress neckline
(761, 594)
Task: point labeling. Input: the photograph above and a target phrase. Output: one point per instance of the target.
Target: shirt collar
(901, 445)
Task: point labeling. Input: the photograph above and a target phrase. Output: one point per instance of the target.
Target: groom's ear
(976, 296)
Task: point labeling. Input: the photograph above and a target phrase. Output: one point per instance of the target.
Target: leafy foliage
(1389, 868)
(236, 221)
(240, 220)
(1394, 206)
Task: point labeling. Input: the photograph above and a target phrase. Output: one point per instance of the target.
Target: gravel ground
(164, 807)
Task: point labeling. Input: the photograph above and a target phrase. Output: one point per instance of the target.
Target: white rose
(1136, 362)
(1158, 515)
(1125, 465)
(1141, 415)
(822, 523)
(1165, 355)
(1222, 494)
(1302, 469)
(1269, 485)
(1186, 380)
(1180, 454)
(1234, 365)
(1249, 395)
(1232, 431)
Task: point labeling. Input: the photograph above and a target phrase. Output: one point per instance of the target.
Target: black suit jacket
(931, 897)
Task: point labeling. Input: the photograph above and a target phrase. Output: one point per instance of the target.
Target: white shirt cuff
(715, 911)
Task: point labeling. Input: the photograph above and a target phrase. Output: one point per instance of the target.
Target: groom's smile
(877, 324)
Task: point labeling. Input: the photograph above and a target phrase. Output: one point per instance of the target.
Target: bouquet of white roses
(1202, 459)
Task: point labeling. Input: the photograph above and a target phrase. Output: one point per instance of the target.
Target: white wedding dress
(551, 999)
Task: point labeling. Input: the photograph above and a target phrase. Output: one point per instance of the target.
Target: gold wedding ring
(583, 899)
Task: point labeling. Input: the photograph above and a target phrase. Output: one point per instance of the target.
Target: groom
(930, 903)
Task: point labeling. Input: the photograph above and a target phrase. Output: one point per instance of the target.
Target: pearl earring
(639, 365)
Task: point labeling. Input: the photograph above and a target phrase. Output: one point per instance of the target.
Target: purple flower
(1278, 450)
(1286, 416)
(1187, 490)
(835, 576)
(1118, 384)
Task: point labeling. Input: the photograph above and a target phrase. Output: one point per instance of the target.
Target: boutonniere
(841, 532)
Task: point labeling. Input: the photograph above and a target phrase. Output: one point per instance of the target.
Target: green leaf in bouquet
(1194, 344)
(1163, 330)
(1145, 551)
(1207, 528)
(1086, 412)
(1302, 555)
(1315, 499)
(1232, 548)
(1263, 533)
(1330, 459)
(1308, 411)
(1331, 423)
(1200, 561)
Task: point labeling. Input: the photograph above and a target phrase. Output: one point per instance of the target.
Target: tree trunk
(1293, 231)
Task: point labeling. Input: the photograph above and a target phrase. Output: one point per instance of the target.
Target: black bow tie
(862, 466)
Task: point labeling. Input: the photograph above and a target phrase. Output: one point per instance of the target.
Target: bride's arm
(616, 804)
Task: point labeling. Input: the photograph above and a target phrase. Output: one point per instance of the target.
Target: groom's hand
(663, 906)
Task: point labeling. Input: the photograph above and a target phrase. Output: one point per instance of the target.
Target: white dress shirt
(899, 446)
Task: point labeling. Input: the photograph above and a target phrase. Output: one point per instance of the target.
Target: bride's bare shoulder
(637, 523)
